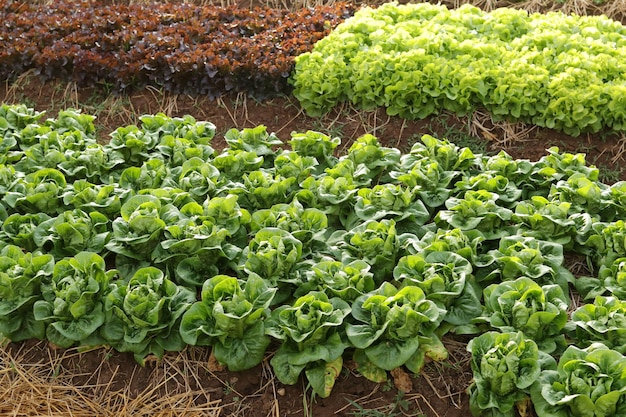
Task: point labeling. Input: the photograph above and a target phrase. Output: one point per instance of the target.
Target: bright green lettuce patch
(553, 70)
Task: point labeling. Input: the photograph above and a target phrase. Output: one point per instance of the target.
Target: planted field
(164, 253)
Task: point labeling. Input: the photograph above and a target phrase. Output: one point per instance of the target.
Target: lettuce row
(364, 251)
(552, 70)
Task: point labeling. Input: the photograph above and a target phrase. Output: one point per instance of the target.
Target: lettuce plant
(505, 365)
(602, 321)
(614, 198)
(476, 210)
(553, 220)
(540, 312)
(394, 328)
(72, 304)
(289, 164)
(392, 202)
(333, 195)
(338, 279)
(256, 140)
(21, 275)
(585, 194)
(230, 318)
(142, 315)
(177, 150)
(308, 225)
(134, 144)
(465, 243)
(39, 192)
(19, 229)
(73, 231)
(507, 191)
(199, 178)
(233, 164)
(103, 198)
(516, 170)
(47, 152)
(261, 190)
(610, 280)
(153, 173)
(316, 145)
(586, 382)
(195, 233)
(446, 278)
(605, 242)
(273, 254)
(310, 330)
(139, 229)
(518, 256)
(371, 160)
(375, 242)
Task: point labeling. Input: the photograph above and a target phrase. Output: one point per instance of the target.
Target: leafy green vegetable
(389, 201)
(73, 300)
(21, 275)
(39, 192)
(338, 279)
(316, 145)
(586, 382)
(551, 220)
(419, 59)
(375, 242)
(230, 318)
(540, 312)
(602, 321)
(273, 254)
(19, 229)
(519, 256)
(143, 315)
(310, 330)
(140, 228)
(153, 173)
(199, 178)
(256, 140)
(505, 365)
(396, 327)
(71, 232)
(105, 199)
(465, 243)
(476, 210)
(134, 144)
(308, 225)
(195, 233)
(446, 278)
(261, 189)
(611, 280)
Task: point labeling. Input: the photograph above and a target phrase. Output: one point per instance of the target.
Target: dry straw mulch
(43, 389)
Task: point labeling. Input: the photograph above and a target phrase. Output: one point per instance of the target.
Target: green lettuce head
(143, 315)
(73, 300)
(311, 333)
(505, 365)
(588, 382)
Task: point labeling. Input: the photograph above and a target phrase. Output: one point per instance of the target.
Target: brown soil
(37, 379)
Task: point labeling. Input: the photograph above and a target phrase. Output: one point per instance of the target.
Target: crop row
(185, 48)
(553, 70)
(373, 254)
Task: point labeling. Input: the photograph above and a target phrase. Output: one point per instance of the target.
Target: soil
(102, 375)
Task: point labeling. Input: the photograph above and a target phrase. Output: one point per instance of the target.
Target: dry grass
(43, 389)
(501, 134)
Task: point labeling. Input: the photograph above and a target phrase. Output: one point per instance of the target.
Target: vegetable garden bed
(303, 219)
